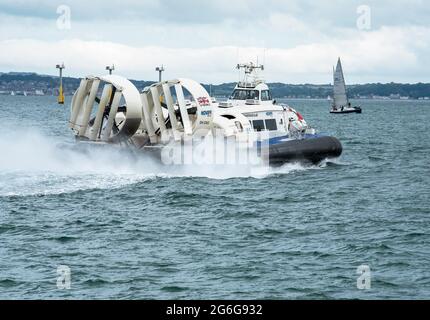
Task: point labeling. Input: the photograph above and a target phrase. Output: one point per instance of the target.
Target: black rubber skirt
(312, 150)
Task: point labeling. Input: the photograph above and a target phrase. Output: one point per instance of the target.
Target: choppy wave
(292, 232)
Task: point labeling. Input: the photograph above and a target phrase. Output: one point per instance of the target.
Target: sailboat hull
(345, 111)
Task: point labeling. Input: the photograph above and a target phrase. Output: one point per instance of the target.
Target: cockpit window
(271, 125)
(239, 94)
(258, 125)
(266, 95)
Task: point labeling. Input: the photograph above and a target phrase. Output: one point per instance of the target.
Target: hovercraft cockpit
(253, 98)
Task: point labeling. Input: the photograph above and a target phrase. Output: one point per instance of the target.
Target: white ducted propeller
(115, 115)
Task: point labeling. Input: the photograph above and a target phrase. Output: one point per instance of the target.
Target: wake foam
(34, 164)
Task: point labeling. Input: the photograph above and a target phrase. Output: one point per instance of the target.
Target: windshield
(266, 95)
(245, 95)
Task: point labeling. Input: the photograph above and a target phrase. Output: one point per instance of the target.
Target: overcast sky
(297, 40)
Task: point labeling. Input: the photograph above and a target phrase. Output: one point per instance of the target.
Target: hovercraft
(110, 110)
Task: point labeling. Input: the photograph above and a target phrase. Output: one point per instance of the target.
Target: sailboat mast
(334, 83)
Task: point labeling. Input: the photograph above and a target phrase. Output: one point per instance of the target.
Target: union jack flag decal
(203, 101)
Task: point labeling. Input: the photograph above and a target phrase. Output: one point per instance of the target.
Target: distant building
(375, 97)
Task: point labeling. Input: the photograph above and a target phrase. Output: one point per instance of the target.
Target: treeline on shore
(49, 85)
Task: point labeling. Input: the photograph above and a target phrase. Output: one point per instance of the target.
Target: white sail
(340, 98)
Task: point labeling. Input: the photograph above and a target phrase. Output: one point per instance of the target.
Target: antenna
(250, 71)
(264, 56)
(238, 61)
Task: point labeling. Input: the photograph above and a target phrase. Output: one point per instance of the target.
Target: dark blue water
(128, 228)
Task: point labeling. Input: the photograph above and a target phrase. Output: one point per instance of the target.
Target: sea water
(130, 228)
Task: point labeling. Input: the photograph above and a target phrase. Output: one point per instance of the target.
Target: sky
(298, 41)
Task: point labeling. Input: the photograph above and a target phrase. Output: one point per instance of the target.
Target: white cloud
(388, 51)
(300, 40)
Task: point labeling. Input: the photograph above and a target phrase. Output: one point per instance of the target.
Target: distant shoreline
(280, 99)
(26, 83)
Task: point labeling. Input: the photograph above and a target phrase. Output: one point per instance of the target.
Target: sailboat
(340, 102)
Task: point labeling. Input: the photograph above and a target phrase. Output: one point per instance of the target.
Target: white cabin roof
(252, 86)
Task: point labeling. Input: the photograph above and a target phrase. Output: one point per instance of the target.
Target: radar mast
(252, 76)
